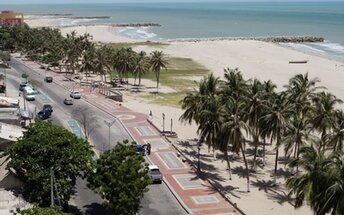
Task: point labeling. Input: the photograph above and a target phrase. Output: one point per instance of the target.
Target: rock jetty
(273, 39)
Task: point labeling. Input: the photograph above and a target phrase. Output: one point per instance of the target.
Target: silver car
(75, 94)
(155, 173)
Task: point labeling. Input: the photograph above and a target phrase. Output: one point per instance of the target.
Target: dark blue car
(45, 113)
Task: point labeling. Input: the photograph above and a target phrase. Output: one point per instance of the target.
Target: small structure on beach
(9, 18)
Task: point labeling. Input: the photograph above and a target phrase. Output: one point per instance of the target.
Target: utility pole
(109, 124)
(171, 125)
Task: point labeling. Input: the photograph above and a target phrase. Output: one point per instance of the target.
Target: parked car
(75, 94)
(29, 93)
(22, 85)
(68, 101)
(44, 114)
(48, 79)
(155, 173)
(140, 149)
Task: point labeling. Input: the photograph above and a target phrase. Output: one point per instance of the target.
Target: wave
(326, 49)
(137, 33)
(334, 47)
(72, 22)
(303, 46)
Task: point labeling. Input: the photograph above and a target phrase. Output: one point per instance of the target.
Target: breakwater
(273, 39)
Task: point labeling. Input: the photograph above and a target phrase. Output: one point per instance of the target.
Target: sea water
(216, 19)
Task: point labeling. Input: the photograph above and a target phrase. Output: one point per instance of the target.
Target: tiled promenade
(197, 195)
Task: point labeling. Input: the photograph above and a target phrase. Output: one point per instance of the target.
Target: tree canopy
(45, 147)
(121, 177)
(35, 210)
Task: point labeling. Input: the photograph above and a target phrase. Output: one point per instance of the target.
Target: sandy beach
(256, 59)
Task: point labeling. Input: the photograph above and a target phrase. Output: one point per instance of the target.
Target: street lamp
(163, 122)
(109, 124)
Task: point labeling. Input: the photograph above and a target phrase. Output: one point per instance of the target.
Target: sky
(128, 1)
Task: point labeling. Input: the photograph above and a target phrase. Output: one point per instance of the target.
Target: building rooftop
(9, 113)
(8, 102)
(10, 132)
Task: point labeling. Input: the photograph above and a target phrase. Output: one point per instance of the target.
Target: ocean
(215, 19)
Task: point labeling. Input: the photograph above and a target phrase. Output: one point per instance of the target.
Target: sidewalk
(195, 193)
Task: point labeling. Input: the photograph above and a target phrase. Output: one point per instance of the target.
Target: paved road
(158, 200)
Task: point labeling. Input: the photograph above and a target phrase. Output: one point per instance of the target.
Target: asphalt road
(158, 200)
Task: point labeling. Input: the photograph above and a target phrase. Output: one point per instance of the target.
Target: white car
(154, 173)
(75, 94)
(29, 93)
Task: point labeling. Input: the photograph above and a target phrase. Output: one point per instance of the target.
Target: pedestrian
(148, 148)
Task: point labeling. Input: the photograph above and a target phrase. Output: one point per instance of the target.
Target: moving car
(68, 101)
(155, 173)
(48, 79)
(29, 93)
(44, 114)
(75, 94)
(22, 85)
(48, 107)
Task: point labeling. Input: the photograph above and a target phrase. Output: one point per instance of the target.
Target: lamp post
(163, 122)
(109, 124)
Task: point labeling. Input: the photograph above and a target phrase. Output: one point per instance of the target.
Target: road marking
(73, 125)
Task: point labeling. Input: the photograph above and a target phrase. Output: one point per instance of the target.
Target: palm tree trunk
(297, 157)
(255, 139)
(228, 164)
(275, 172)
(247, 171)
(157, 80)
(264, 152)
(139, 79)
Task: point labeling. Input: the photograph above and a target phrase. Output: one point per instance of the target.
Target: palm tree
(336, 137)
(275, 120)
(312, 185)
(301, 90)
(254, 106)
(158, 61)
(203, 107)
(268, 96)
(324, 112)
(125, 59)
(296, 135)
(141, 66)
(233, 127)
(234, 84)
(334, 196)
(88, 61)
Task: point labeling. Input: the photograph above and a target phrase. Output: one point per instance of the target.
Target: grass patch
(177, 73)
(178, 77)
(149, 44)
(167, 99)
